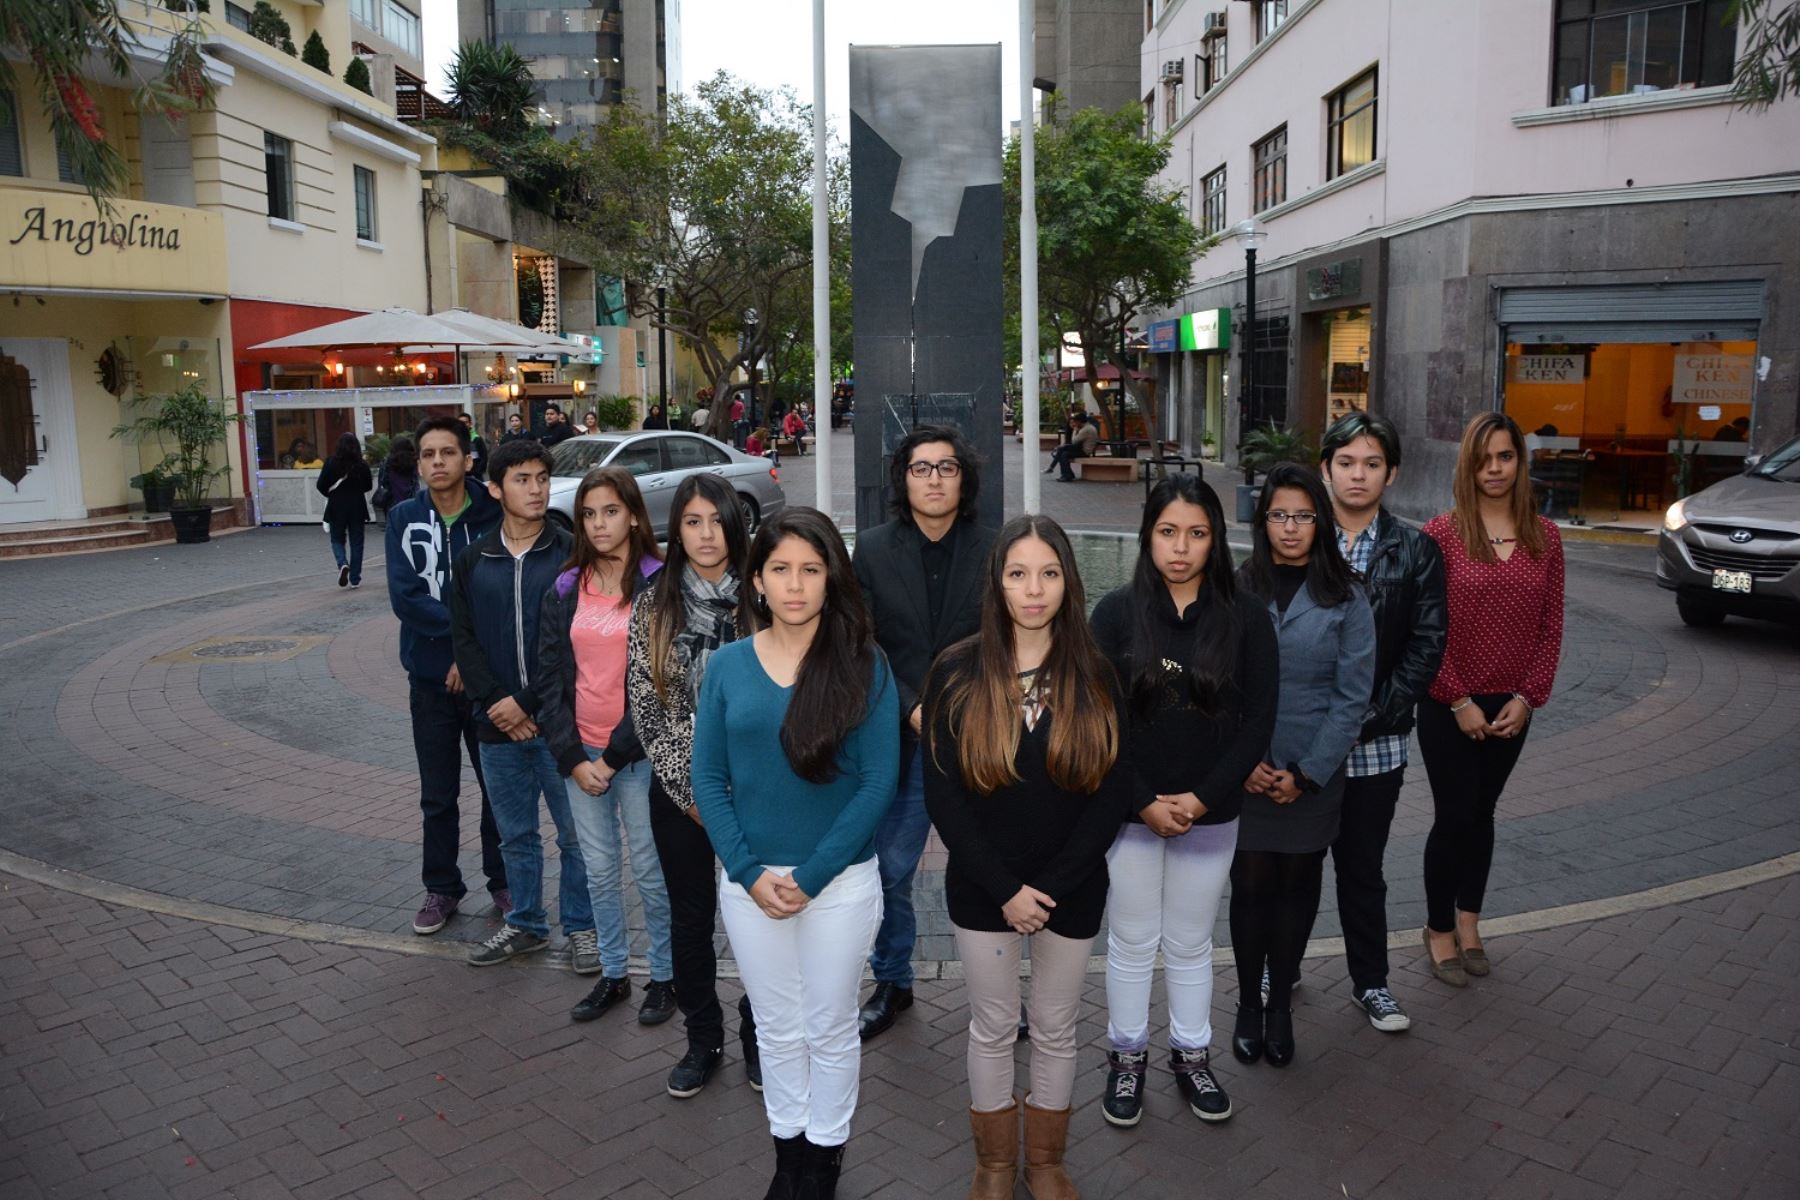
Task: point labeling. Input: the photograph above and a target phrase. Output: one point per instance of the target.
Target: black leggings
(1274, 900)
(692, 876)
(1467, 778)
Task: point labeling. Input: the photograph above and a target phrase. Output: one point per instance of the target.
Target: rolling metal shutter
(1728, 310)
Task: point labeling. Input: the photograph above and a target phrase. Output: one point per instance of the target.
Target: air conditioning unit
(1215, 25)
(1172, 70)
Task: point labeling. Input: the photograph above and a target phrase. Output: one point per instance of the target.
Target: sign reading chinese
(1335, 280)
(1714, 378)
(1207, 330)
(1165, 337)
(1546, 368)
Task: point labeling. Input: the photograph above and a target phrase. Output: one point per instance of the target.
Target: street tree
(1768, 66)
(67, 47)
(1114, 241)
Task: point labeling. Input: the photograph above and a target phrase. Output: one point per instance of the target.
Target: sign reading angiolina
(62, 240)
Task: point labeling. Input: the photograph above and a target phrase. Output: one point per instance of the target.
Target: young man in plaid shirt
(1404, 573)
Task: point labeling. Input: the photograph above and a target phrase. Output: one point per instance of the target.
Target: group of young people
(768, 728)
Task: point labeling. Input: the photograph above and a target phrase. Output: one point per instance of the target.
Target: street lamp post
(1250, 233)
(662, 353)
(751, 318)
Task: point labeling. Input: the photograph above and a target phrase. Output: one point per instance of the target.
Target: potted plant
(1262, 449)
(195, 423)
(158, 488)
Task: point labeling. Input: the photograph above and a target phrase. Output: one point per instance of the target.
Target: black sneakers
(1384, 1012)
(752, 1061)
(606, 993)
(1193, 1075)
(659, 1002)
(1124, 1102)
(692, 1072)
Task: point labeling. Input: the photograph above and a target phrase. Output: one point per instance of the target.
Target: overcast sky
(769, 42)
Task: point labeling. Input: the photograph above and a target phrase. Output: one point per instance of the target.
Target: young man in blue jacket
(495, 600)
(425, 533)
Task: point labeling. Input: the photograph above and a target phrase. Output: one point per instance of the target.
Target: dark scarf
(711, 621)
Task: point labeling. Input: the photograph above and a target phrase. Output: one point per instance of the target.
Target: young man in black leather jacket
(1404, 573)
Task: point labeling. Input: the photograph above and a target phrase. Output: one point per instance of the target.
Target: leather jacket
(1406, 590)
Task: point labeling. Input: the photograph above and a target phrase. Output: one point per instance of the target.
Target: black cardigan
(1177, 749)
(1031, 832)
(346, 503)
(556, 679)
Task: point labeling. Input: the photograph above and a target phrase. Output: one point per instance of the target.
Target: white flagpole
(1028, 264)
(822, 498)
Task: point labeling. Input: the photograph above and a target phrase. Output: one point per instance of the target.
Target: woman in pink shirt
(1503, 568)
(581, 658)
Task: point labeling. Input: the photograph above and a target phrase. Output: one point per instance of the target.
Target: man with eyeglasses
(921, 574)
(1404, 573)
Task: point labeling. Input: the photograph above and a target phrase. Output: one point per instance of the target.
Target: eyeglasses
(1302, 519)
(949, 468)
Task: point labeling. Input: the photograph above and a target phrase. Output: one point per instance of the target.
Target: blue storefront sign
(1164, 337)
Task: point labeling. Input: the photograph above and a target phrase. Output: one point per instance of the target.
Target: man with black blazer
(921, 574)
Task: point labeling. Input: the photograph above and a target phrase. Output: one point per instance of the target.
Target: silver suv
(1734, 549)
(661, 459)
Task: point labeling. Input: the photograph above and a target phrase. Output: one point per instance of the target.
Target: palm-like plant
(491, 88)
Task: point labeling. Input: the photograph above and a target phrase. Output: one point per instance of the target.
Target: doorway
(40, 470)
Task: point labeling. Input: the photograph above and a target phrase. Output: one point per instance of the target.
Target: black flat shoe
(888, 1001)
(1247, 1034)
(1278, 1036)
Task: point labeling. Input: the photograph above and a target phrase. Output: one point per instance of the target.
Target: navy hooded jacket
(495, 603)
(420, 552)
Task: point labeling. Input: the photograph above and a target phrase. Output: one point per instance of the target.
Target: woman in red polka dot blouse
(1503, 566)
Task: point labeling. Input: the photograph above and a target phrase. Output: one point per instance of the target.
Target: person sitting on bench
(1080, 445)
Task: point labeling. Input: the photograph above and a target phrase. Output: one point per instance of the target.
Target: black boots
(804, 1171)
(1278, 1036)
(790, 1163)
(1247, 1034)
(887, 1001)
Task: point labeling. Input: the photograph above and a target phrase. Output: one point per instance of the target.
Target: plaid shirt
(1377, 755)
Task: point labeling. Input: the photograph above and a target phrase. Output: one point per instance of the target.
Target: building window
(237, 16)
(278, 170)
(66, 170)
(1624, 47)
(12, 157)
(1149, 113)
(1270, 182)
(400, 27)
(367, 13)
(365, 203)
(1171, 103)
(1212, 203)
(1270, 16)
(1350, 133)
(1217, 63)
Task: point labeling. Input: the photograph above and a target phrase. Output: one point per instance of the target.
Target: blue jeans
(597, 821)
(898, 844)
(352, 532)
(516, 772)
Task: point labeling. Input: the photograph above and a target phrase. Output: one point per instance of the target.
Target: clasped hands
(1172, 815)
(1028, 911)
(511, 720)
(1279, 786)
(778, 896)
(594, 778)
(1508, 723)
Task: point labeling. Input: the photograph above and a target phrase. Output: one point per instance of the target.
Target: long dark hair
(831, 688)
(1329, 578)
(1213, 666)
(960, 448)
(640, 543)
(982, 695)
(348, 452)
(403, 455)
(668, 611)
(1466, 492)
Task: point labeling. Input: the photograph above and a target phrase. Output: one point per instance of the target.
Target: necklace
(1502, 541)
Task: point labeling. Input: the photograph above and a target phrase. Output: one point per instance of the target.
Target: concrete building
(1087, 51)
(586, 56)
(1545, 206)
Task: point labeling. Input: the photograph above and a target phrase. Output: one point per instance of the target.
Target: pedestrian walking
(1403, 575)
(425, 537)
(399, 479)
(1027, 780)
(796, 751)
(495, 607)
(1326, 640)
(1197, 659)
(696, 604)
(345, 481)
(515, 430)
(921, 575)
(1503, 567)
(582, 635)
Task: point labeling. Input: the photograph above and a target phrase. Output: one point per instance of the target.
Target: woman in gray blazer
(1290, 818)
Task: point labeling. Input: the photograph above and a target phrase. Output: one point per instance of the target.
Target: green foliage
(1768, 65)
(357, 76)
(491, 89)
(613, 412)
(531, 294)
(196, 424)
(267, 25)
(1263, 448)
(315, 55)
(375, 449)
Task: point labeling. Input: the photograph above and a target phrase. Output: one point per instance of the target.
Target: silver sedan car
(661, 459)
(1735, 547)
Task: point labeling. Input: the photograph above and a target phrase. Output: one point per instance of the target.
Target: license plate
(1731, 581)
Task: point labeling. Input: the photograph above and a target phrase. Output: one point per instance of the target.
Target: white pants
(802, 975)
(1165, 892)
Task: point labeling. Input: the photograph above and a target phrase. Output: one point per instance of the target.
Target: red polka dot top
(1506, 619)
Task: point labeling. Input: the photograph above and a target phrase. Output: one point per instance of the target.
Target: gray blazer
(1327, 670)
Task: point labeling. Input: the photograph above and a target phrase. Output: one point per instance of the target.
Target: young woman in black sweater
(1197, 659)
(1027, 784)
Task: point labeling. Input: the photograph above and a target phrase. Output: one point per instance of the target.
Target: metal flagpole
(821, 278)
(1029, 364)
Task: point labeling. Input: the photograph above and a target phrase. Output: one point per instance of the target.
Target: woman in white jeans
(1197, 659)
(1026, 781)
(584, 716)
(796, 757)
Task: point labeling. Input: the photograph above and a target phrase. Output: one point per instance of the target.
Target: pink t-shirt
(597, 638)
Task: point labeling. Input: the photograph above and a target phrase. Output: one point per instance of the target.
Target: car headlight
(1676, 517)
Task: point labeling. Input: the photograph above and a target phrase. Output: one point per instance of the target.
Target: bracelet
(1520, 697)
(1456, 708)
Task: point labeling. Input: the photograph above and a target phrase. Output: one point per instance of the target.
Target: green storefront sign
(1209, 329)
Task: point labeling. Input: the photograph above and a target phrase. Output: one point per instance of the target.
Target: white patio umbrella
(388, 327)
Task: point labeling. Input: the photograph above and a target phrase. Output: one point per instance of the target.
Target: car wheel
(1701, 614)
(752, 513)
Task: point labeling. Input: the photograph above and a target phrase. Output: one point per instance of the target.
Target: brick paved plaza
(208, 986)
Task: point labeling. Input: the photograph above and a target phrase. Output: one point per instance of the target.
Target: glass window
(575, 459)
(1149, 113)
(66, 170)
(1171, 104)
(365, 203)
(1627, 47)
(1271, 170)
(1270, 16)
(237, 16)
(1212, 203)
(400, 27)
(641, 457)
(12, 158)
(285, 436)
(1218, 63)
(367, 13)
(278, 172)
(1350, 135)
(688, 452)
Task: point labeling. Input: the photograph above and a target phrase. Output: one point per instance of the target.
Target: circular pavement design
(242, 754)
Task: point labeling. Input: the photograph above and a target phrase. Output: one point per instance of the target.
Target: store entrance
(40, 472)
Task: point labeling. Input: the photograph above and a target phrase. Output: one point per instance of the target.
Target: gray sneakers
(584, 951)
(1384, 1012)
(509, 943)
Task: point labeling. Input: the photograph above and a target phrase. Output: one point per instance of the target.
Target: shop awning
(421, 333)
